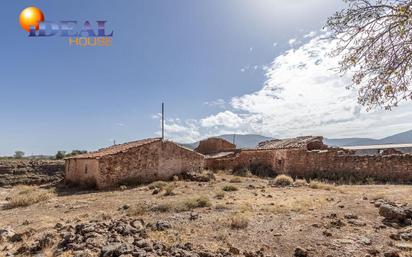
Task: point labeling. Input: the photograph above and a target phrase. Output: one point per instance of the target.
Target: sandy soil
(279, 219)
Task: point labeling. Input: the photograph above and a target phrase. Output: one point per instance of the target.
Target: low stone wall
(13, 172)
(334, 165)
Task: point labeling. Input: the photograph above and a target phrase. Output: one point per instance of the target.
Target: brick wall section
(147, 163)
(324, 164)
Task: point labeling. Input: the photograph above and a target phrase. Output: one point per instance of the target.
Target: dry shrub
(245, 207)
(242, 172)
(220, 195)
(197, 202)
(235, 180)
(162, 207)
(157, 184)
(293, 205)
(230, 188)
(221, 207)
(239, 221)
(169, 189)
(22, 196)
(136, 210)
(282, 180)
(300, 183)
(315, 184)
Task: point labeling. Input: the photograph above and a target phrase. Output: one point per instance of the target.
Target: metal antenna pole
(163, 121)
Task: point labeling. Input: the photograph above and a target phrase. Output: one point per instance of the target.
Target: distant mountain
(350, 141)
(241, 141)
(401, 138)
(245, 141)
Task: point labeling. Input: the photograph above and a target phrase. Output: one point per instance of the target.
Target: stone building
(215, 145)
(308, 158)
(141, 161)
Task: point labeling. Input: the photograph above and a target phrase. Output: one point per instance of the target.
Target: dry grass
(239, 221)
(220, 195)
(136, 210)
(169, 189)
(22, 196)
(282, 180)
(295, 205)
(183, 204)
(300, 183)
(315, 184)
(157, 184)
(229, 188)
(162, 207)
(197, 202)
(235, 180)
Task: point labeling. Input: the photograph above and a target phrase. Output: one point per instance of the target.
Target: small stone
(392, 253)
(300, 252)
(327, 233)
(194, 216)
(351, 216)
(162, 225)
(234, 250)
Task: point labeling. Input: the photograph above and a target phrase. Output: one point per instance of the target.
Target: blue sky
(210, 61)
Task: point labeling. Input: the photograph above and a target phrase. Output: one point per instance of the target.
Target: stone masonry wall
(26, 171)
(214, 145)
(147, 163)
(332, 165)
(82, 172)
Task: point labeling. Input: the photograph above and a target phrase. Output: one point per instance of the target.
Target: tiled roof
(115, 149)
(289, 143)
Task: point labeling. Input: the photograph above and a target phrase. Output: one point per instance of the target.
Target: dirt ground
(337, 221)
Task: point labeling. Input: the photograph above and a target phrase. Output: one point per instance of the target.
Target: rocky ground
(229, 216)
(30, 172)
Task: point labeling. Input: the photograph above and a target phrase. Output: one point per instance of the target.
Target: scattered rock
(194, 216)
(300, 252)
(162, 225)
(198, 176)
(393, 253)
(351, 216)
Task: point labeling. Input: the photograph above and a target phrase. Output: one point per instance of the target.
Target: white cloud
(292, 41)
(310, 34)
(226, 119)
(216, 103)
(275, 44)
(120, 124)
(303, 95)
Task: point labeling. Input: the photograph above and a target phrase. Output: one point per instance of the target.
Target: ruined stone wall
(81, 172)
(175, 160)
(333, 165)
(214, 145)
(147, 163)
(259, 162)
(25, 171)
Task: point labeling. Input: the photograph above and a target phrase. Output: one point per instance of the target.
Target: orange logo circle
(31, 17)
